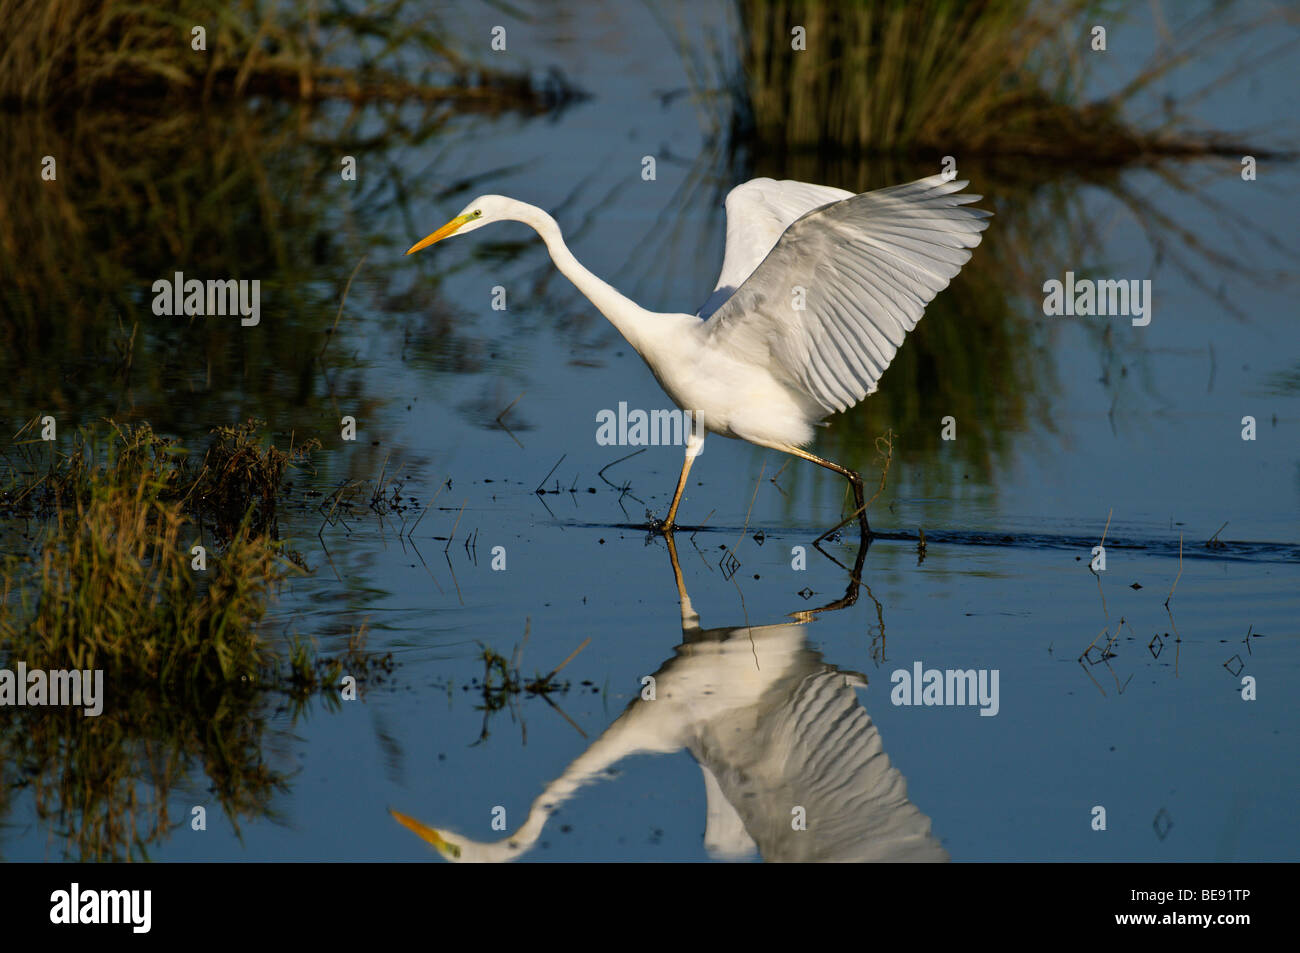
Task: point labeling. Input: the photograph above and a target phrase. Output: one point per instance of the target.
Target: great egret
(818, 288)
(774, 728)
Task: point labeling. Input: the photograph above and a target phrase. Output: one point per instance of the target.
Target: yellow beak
(448, 229)
(446, 848)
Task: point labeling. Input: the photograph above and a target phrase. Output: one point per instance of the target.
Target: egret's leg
(855, 481)
(670, 524)
(677, 572)
(690, 618)
(694, 444)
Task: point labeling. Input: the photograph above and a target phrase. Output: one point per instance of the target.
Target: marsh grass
(82, 50)
(117, 592)
(190, 677)
(242, 474)
(239, 477)
(502, 681)
(110, 581)
(988, 77)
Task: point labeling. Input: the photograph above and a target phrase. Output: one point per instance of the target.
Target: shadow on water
(794, 769)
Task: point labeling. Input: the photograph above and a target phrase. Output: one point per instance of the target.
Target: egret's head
(481, 211)
(463, 850)
(448, 849)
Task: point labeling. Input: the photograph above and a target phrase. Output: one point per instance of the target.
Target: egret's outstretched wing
(863, 269)
(758, 211)
(812, 744)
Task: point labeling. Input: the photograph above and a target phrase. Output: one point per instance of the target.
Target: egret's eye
(477, 213)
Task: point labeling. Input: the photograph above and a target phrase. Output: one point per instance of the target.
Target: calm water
(1064, 423)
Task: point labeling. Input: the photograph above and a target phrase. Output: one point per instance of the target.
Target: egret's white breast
(733, 397)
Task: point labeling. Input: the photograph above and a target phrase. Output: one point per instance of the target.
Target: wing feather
(758, 212)
(868, 264)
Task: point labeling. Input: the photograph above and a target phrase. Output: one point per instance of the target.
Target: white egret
(818, 288)
(773, 727)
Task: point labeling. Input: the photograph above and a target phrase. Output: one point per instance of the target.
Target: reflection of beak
(446, 848)
(440, 234)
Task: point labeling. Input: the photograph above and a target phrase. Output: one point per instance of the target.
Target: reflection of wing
(757, 213)
(868, 264)
(816, 749)
(773, 727)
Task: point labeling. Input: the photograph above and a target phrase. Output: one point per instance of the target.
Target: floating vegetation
(309, 672)
(504, 683)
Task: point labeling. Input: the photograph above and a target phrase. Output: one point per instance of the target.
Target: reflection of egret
(818, 288)
(773, 728)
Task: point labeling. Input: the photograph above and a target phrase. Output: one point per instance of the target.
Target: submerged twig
(346, 288)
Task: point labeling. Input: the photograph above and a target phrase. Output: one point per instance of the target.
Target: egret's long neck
(641, 728)
(633, 322)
